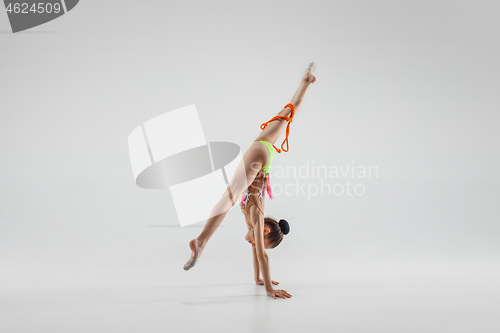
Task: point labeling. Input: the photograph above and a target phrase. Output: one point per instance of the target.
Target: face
(250, 238)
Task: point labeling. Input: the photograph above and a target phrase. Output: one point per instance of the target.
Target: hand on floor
(280, 293)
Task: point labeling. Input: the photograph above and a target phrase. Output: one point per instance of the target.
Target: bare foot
(195, 255)
(305, 77)
(196, 250)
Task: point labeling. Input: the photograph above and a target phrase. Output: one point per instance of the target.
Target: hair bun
(285, 227)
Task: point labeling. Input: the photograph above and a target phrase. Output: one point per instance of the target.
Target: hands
(274, 292)
(280, 293)
(261, 282)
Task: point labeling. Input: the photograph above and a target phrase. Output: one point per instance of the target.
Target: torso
(254, 195)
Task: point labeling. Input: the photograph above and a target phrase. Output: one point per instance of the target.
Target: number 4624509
(36, 8)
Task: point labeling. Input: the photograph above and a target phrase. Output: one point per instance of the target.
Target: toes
(190, 264)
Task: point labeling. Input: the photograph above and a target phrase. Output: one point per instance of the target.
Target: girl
(251, 181)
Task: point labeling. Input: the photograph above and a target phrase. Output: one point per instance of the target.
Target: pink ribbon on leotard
(269, 188)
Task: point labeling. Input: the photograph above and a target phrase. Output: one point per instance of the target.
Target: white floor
(425, 261)
(342, 304)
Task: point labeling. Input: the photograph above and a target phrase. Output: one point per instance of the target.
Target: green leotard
(271, 154)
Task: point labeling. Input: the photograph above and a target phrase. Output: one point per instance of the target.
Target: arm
(256, 268)
(262, 256)
(266, 271)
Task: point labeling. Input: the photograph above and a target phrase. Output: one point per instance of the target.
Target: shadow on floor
(202, 286)
(222, 299)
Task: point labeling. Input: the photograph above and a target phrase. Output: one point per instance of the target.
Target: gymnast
(249, 183)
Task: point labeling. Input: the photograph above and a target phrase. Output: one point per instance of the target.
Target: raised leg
(274, 129)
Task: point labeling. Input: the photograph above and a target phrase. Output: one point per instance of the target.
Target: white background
(408, 86)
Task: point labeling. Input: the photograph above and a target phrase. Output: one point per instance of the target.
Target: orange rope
(290, 119)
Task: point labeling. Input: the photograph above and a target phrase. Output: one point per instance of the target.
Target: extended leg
(274, 129)
(244, 175)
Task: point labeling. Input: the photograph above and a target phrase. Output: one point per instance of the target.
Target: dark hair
(277, 230)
